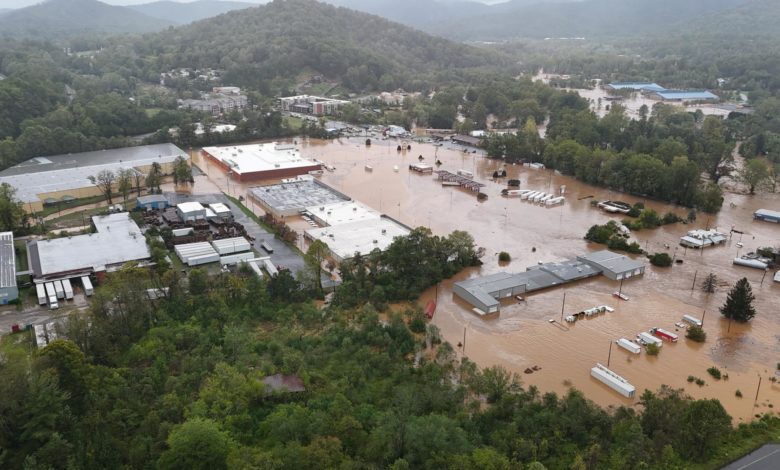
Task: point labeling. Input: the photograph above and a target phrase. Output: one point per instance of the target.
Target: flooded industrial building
(521, 336)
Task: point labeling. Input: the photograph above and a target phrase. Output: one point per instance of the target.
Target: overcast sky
(24, 3)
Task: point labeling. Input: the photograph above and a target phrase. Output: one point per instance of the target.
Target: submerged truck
(664, 334)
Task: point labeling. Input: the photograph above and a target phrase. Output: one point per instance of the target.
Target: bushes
(609, 234)
(662, 260)
(696, 333)
(652, 349)
(714, 372)
(504, 257)
(648, 218)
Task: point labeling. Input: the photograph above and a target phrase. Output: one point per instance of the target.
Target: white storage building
(194, 254)
(613, 381)
(191, 211)
(228, 246)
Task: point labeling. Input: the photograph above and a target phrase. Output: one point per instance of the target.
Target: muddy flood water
(521, 335)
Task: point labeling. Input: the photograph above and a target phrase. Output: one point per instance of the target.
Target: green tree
(12, 214)
(182, 172)
(154, 177)
(754, 173)
(315, 256)
(705, 424)
(739, 302)
(124, 182)
(709, 283)
(196, 444)
(104, 181)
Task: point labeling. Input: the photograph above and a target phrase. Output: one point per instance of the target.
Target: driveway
(283, 255)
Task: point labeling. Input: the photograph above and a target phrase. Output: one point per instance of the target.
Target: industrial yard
(521, 336)
(559, 319)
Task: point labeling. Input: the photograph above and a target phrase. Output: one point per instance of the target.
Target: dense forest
(191, 381)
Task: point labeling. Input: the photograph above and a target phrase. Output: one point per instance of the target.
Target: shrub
(696, 333)
(504, 257)
(652, 349)
(649, 218)
(417, 325)
(738, 393)
(714, 372)
(661, 259)
(670, 218)
(699, 382)
(691, 378)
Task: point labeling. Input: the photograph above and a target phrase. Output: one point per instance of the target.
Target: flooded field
(521, 336)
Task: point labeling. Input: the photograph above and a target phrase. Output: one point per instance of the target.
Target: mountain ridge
(184, 13)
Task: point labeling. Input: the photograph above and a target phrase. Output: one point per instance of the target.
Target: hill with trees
(285, 39)
(59, 19)
(183, 13)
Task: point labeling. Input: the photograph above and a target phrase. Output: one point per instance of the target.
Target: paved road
(764, 458)
(283, 255)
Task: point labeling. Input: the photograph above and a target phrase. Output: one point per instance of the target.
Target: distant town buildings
(216, 103)
(315, 105)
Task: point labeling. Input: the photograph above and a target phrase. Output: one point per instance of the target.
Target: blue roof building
(685, 95)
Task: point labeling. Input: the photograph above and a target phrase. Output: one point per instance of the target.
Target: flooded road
(521, 336)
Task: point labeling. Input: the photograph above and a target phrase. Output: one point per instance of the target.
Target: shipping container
(269, 266)
(50, 291)
(40, 336)
(613, 381)
(59, 290)
(88, 290)
(692, 320)
(267, 247)
(554, 201)
(68, 288)
(664, 334)
(465, 173)
(40, 289)
(629, 345)
(236, 258)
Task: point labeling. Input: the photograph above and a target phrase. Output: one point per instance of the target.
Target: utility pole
(694, 280)
(609, 357)
(704, 314)
(757, 389)
(762, 277)
(563, 304)
(464, 340)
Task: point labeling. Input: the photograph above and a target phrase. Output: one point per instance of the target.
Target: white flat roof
(188, 207)
(118, 240)
(343, 212)
(7, 260)
(259, 157)
(219, 208)
(361, 236)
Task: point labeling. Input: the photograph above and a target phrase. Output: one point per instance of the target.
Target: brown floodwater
(521, 336)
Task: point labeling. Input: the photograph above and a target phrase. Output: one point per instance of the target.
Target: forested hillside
(59, 19)
(287, 38)
(231, 371)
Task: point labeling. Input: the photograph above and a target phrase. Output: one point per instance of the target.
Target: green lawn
(54, 208)
(21, 255)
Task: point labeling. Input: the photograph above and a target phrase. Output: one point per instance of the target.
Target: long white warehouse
(613, 381)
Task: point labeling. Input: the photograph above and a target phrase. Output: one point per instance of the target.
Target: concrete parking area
(763, 458)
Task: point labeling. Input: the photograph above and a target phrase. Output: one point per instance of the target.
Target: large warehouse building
(289, 199)
(362, 236)
(118, 240)
(63, 178)
(9, 291)
(485, 293)
(261, 161)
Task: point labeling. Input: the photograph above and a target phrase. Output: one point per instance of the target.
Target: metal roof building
(614, 266)
(118, 240)
(63, 177)
(684, 95)
(8, 288)
(152, 201)
(288, 199)
(703, 238)
(486, 292)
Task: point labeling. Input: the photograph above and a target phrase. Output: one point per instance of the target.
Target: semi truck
(51, 293)
(665, 335)
(68, 288)
(40, 289)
